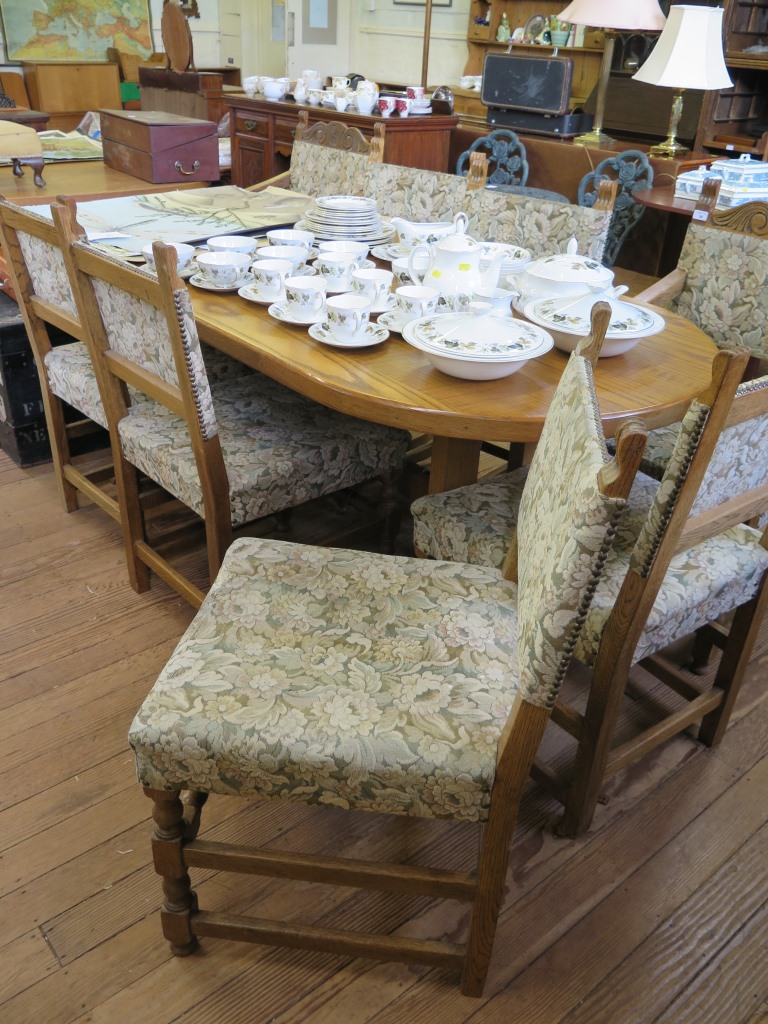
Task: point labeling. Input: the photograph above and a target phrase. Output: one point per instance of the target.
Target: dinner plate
(627, 320)
(372, 335)
(200, 282)
(285, 316)
(473, 336)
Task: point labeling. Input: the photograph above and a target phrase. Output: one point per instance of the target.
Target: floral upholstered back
(46, 269)
(416, 194)
(138, 330)
(542, 226)
(726, 290)
(322, 171)
(565, 530)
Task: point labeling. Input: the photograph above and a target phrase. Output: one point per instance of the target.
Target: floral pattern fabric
(323, 171)
(47, 271)
(71, 377)
(726, 290)
(416, 194)
(219, 366)
(539, 225)
(279, 448)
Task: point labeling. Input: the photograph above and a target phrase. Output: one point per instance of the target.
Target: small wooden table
(20, 115)
(394, 383)
(678, 214)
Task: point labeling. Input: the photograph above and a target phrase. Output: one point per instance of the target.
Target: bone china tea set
(448, 294)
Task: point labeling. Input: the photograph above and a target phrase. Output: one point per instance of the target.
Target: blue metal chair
(506, 158)
(632, 170)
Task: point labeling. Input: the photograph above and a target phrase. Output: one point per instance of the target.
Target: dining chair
(632, 171)
(330, 158)
(420, 195)
(381, 683)
(505, 153)
(233, 451)
(31, 246)
(539, 225)
(721, 285)
(682, 559)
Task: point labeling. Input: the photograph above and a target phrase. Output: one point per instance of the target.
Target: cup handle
(420, 247)
(318, 300)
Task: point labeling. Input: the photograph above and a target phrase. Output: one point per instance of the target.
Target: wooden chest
(23, 434)
(160, 147)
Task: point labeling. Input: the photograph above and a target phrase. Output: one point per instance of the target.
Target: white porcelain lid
(478, 336)
(571, 268)
(574, 317)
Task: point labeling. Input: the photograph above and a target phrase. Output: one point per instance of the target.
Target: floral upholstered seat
(71, 378)
(417, 194)
(542, 226)
(381, 683)
(323, 171)
(279, 448)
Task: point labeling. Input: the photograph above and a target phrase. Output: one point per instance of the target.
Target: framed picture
(36, 30)
(423, 3)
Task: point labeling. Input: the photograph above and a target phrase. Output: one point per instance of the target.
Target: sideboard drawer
(252, 124)
(285, 129)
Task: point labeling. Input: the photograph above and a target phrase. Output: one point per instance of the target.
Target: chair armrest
(663, 291)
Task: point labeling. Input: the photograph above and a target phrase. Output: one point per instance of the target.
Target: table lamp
(613, 16)
(688, 55)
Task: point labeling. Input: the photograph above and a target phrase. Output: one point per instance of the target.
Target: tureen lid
(570, 266)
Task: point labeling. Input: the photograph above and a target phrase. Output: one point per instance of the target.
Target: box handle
(180, 167)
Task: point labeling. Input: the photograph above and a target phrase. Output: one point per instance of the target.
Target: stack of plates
(332, 217)
(515, 258)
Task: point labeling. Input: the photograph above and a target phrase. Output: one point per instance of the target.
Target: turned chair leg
(167, 845)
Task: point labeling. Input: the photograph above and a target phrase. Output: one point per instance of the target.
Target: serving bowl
(232, 243)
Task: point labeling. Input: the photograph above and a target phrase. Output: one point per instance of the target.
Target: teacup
(500, 299)
(386, 105)
(232, 243)
(290, 236)
(305, 296)
(342, 102)
(300, 93)
(223, 269)
(457, 303)
(315, 96)
(403, 106)
(339, 82)
(364, 105)
(415, 300)
(337, 268)
(295, 254)
(466, 81)
(375, 284)
(184, 254)
(313, 79)
(348, 315)
(344, 245)
(269, 277)
(415, 92)
(401, 271)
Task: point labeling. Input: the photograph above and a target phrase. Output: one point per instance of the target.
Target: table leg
(454, 462)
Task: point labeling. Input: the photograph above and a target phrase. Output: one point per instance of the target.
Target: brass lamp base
(669, 148)
(593, 138)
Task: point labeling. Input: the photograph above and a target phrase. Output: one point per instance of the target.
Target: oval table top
(394, 383)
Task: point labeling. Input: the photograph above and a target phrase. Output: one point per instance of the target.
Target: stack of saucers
(333, 217)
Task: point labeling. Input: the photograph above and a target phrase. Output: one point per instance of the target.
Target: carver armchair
(380, 683)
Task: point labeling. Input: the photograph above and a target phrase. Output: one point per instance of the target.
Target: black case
(540, 85)
(23, 433)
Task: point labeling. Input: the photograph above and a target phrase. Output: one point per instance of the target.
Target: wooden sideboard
(262, 136)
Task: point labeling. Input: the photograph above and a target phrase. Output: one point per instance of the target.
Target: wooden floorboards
(658, 916)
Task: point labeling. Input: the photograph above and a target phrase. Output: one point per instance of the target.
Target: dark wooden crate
(20, 398)
(28, 444)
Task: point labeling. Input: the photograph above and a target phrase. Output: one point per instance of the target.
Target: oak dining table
(394, 384)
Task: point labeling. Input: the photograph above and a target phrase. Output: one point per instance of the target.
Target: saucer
(383, 307)
(200, 282)
(372, 335)
(285, 316)
(252, 294)
(392, 321)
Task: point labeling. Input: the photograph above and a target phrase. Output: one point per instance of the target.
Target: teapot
(411, 232)
(562, 274)
(454, 266)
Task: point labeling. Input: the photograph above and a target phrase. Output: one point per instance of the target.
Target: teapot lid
(459, 241)
(570, 266)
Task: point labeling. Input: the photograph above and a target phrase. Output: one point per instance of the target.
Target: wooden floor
(658, 916)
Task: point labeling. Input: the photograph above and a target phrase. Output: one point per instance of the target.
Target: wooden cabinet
(481, 39)
(735, 120)
(66, 90)
(262, 136)
(197, 94)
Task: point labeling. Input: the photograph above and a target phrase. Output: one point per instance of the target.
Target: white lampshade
(689, 52)
(622, 15)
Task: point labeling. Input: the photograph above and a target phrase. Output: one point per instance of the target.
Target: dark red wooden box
(160, 147)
